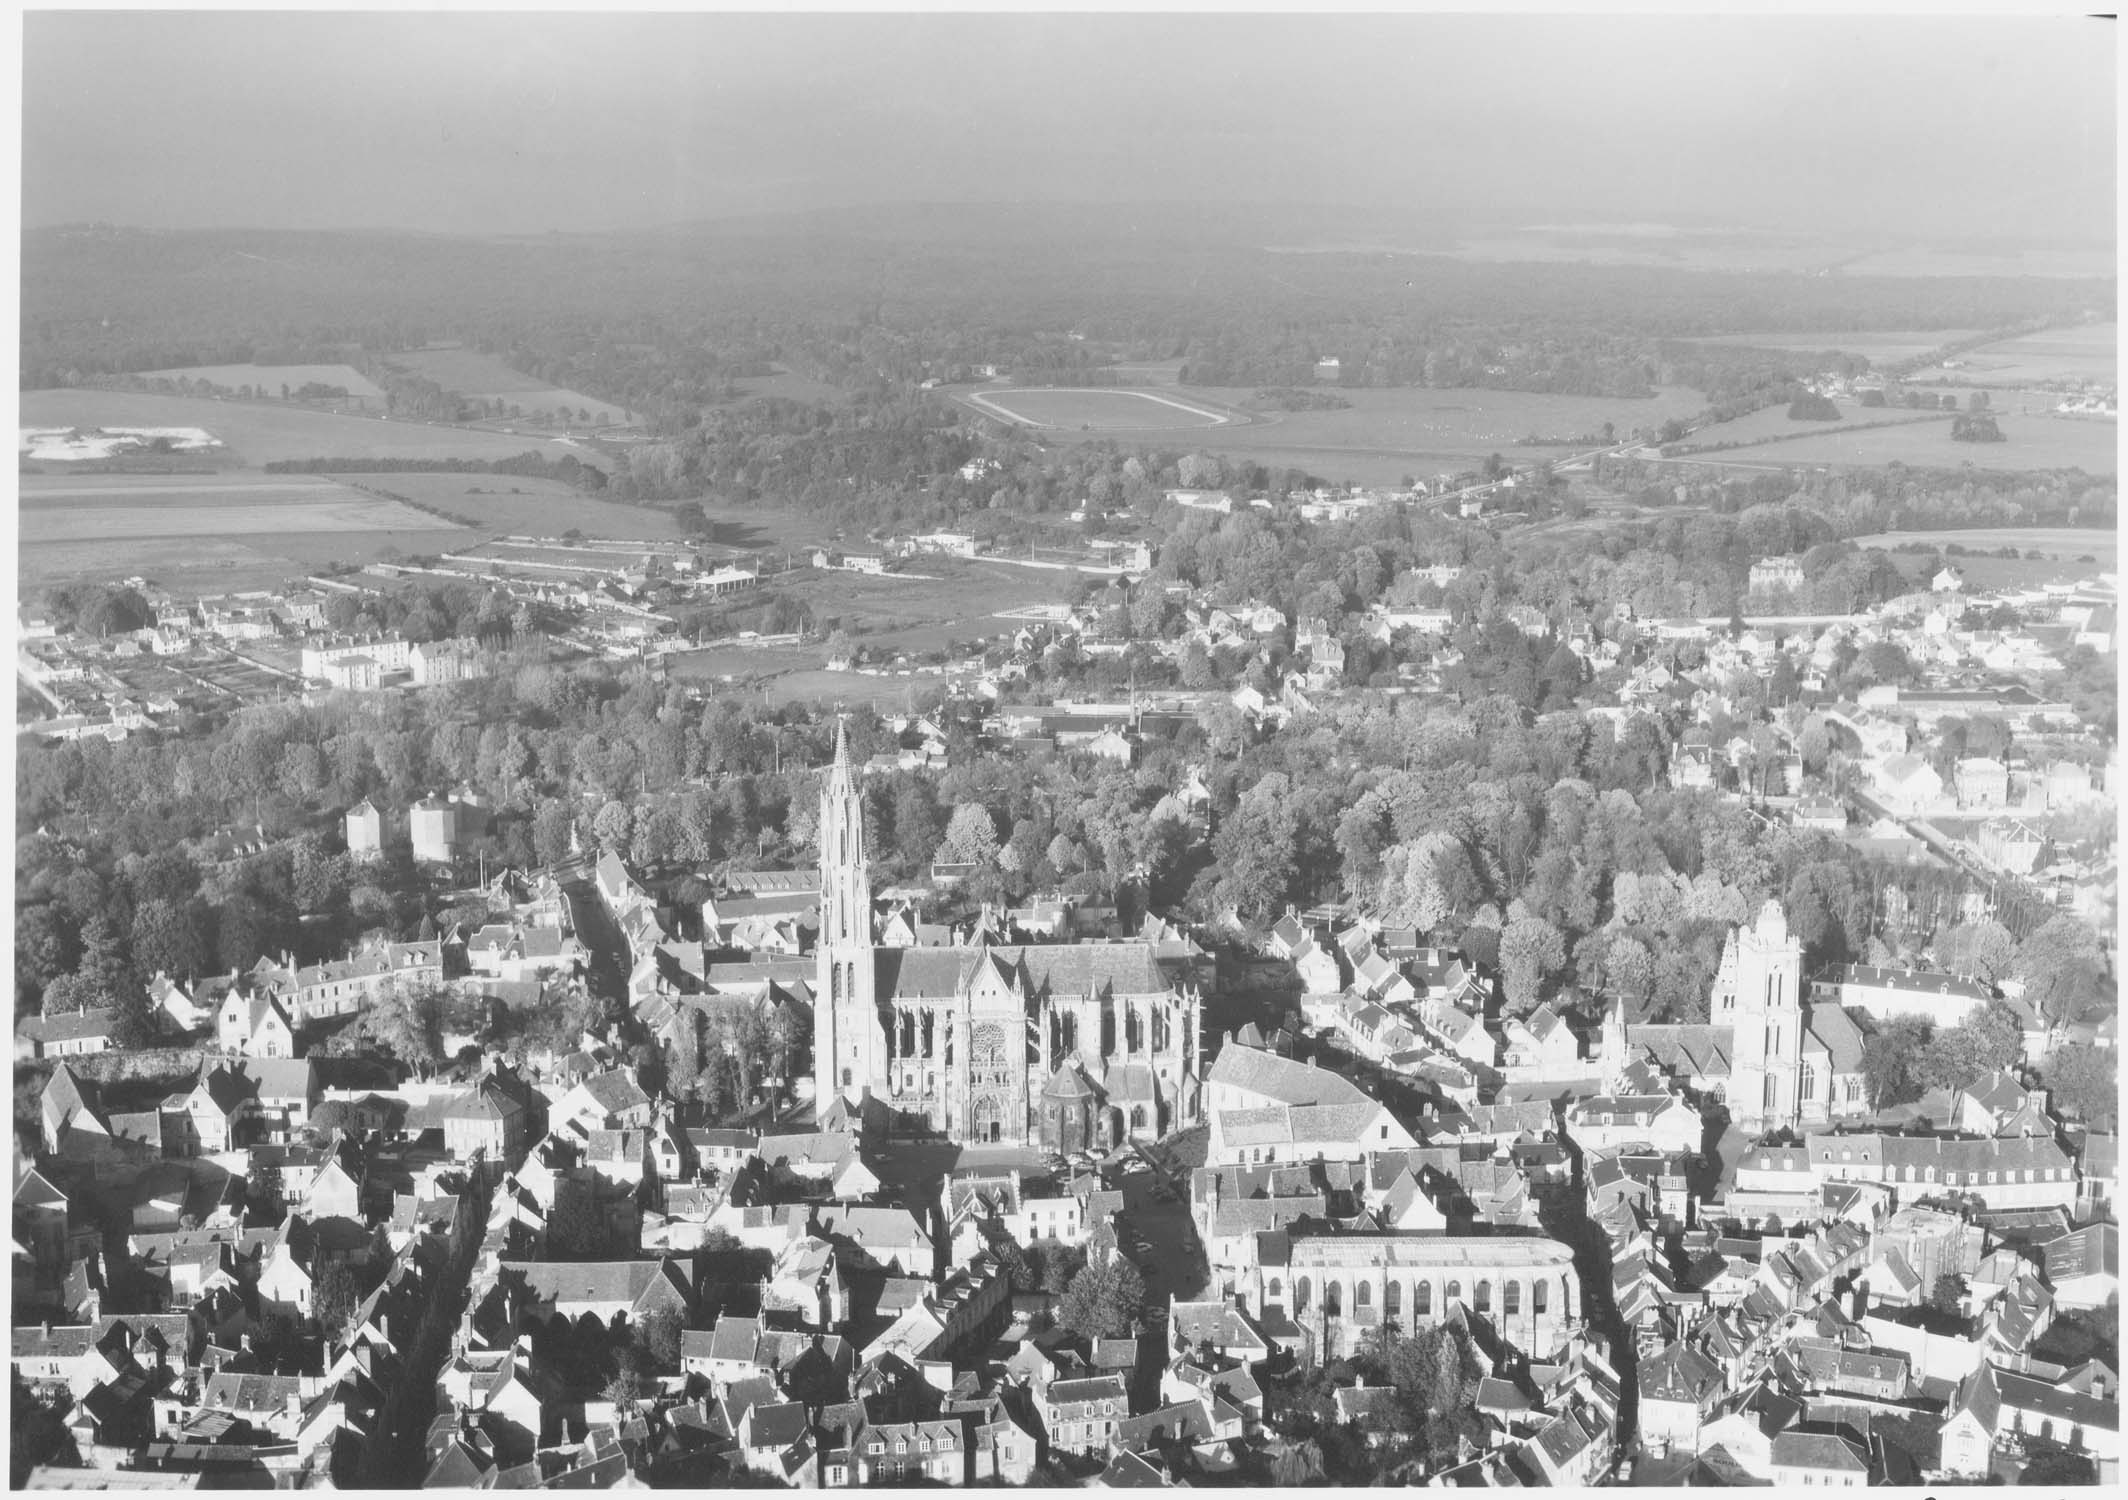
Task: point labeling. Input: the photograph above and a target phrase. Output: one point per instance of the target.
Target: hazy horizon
(1966, 128)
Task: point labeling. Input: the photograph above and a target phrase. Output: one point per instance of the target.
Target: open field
(739, 662)
(1878, 347)
(119, 524)
(1386, 434)
(526, 507)
(849, 688)
(207, 531)
(2089, 352)
(486, 378)
(1983, 574)
(271, 378)
(261, 434)
(1774, 422)
(466, 371)
(2055, 541)
(955, 600)
(786, 385)
(2031, 440)
(1097, 409)
(1920, 261)
(1157, 372)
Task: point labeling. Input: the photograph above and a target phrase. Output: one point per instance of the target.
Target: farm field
(2030, 441)
(2090, 352)
(1386, 434)
(1774, 422)
(270, 378)
(507, 503)
(261, 434)
(76, 522)
(486, 378)
(206, 531)
(1097, 409)
(1879, 347)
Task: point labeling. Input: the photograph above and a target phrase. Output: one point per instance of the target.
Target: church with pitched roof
(1066, 1046)
(1775, 1058)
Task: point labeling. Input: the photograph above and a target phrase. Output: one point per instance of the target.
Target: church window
(1538, 1296)
(1510, 1297)
(1810, 1083)
(1453, 1293)
(1393, 1299)
(1772, 1090)
(845, 1077)
(1482, 1297)
(1422, 1300)
(1276, 1289)
(1363, 1294)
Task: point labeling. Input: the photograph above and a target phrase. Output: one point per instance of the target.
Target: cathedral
(1775, 1059)
(1067, 1046)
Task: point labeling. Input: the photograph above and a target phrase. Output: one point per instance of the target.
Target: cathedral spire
(839, 772)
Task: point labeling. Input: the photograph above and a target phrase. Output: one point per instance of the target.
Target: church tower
(1765, 1002)
(846, 1033)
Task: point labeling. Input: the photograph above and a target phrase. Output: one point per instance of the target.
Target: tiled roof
(1818, 1450)
(1062, 969)
(2091, 1251)
(1280, 1078)
(71, 1026)
(1679, 1373)
(1915, 981)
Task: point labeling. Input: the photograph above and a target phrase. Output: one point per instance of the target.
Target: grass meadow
(2031, 440)
(1097, 409)
(506, 504)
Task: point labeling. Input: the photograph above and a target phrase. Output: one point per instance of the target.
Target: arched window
(1537, 1295)
(1333, 1300)
(1393, 1300)
(1275, 1290)
(1137, 1117)
(1510, 1297)
(1482, 1295)
(1363, 1294)
(1453, 1293)
(1300, 1295)
(1422, 1300)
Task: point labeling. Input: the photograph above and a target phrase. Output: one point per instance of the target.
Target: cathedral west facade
(1069, 1047)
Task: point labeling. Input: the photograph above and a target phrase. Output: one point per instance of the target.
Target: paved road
(596, 929)
(1173, 1263)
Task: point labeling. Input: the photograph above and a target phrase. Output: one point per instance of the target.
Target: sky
(491, 123)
